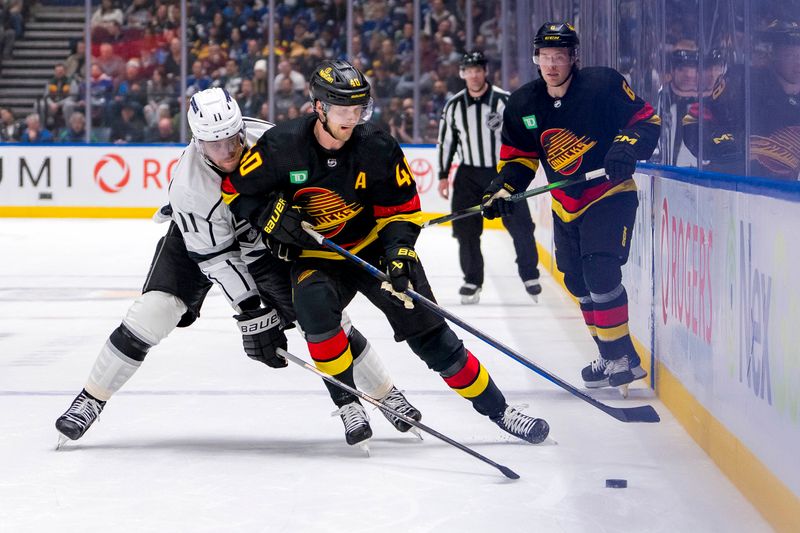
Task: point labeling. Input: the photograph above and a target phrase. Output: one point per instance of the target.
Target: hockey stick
(407, 419)
(461, 213)
(644, 413)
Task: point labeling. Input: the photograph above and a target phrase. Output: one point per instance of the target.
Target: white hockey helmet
(214, 115)
(217, 127)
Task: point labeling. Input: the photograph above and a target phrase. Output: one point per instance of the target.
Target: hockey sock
(611, 323)
(332, 355)
(369, 372)
(587, 309)
(471, 380)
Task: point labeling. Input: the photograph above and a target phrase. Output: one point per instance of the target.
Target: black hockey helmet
(782, 32)
(473, 59)
(339, 83)
(556, 35)
(684, 57)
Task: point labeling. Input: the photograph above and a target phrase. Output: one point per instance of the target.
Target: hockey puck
(616, 483)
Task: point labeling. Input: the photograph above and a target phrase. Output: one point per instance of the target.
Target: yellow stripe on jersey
(532, 164)
(415, 218)
(566, 216)
(229, 198)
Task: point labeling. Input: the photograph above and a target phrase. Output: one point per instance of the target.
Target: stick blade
(510, 474)
(643, 413)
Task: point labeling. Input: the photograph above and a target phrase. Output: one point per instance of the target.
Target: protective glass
(349, 114)
(560, 59)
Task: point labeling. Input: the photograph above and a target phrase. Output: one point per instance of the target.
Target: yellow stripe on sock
(477, 387)
(612, 334)
(338, 365)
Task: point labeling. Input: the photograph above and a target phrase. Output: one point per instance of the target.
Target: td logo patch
(298, 176)
(530, 122)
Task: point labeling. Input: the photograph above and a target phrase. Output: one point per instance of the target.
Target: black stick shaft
(644, 413)
(407, 419)
(469, 211)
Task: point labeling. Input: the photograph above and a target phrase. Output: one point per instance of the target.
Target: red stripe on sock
(588, 317)
(328, 349)
(611, 317)
(466, 375)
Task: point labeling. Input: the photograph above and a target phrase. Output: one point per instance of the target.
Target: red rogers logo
(423, 174)
(110, 174)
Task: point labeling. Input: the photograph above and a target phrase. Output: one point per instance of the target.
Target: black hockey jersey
(571, 135)
(351, 195)
(774, 128)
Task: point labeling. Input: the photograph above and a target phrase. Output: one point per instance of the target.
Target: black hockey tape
(616, 483)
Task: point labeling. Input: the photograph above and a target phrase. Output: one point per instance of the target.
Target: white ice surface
(204, 439)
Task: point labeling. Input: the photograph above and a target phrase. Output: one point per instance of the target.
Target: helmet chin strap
(571, 71)
(324, 121)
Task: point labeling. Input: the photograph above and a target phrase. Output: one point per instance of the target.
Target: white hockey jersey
(219, 243)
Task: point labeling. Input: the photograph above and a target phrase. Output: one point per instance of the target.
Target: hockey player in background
(574, 121)
(206, 242)
(352, 182)
(774, 131)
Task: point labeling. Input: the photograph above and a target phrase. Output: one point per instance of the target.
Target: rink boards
(714, 297)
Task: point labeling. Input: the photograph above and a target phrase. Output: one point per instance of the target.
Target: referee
(471, 123)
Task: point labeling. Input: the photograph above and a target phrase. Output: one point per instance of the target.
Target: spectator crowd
(136, 57)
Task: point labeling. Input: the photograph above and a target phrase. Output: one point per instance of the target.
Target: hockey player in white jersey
(205, 242)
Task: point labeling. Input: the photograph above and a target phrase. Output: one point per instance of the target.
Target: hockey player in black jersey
(352, 182)
(204, 242)
(573, 121)
(774, 131)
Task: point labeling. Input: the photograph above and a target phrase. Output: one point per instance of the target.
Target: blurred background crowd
(724, 74)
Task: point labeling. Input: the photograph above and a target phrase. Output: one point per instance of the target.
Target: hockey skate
(533, 430)
(399, 403)
(78, 418)
(613, 373)
(470, 294)
(356, 423)
(533, 288)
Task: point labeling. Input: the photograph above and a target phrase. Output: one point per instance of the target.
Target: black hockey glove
(620, 162)
(723, 147)
(282, 221)
(262, 335)
(282, 251)
(494, 202)
(401, 264)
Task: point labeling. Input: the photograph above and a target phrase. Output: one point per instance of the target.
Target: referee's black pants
(468, 187)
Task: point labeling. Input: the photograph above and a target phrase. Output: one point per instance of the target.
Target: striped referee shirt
(471, 127)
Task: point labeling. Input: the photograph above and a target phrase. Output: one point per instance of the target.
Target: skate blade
(363, 446)
(61, 441)
(623, 389)
(535, 298)
(416, 432)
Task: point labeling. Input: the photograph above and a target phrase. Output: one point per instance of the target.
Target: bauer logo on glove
(277, 211)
